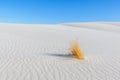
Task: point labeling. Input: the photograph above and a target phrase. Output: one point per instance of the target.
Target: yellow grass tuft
(76, 51)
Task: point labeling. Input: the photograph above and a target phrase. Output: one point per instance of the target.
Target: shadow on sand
(61, 55)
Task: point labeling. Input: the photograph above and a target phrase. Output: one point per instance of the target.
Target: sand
(42, 51)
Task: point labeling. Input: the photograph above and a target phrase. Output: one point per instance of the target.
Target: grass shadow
(61, 55)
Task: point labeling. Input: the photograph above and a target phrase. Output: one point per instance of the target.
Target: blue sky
(59, 11)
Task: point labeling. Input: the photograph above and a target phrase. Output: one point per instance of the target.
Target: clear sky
(59, 11)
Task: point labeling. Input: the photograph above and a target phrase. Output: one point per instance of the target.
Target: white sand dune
(108, 26)
(41, 52)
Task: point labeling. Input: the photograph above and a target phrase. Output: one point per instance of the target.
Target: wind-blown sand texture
(41, 52)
